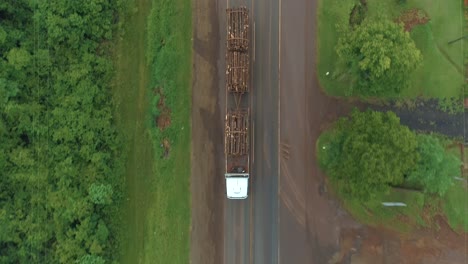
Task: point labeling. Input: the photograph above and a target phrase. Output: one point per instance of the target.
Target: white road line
(279, 130)
(251, 239)
(225, 163)
(253, 143)
(253, 57)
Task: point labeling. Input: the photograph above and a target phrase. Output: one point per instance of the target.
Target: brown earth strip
(206, 177)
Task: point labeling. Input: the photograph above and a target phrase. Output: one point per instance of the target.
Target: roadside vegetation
(170, 58)
(379, 56)
(79, 138)
(397, 51)
(154, 91)
(371, 158)
(364, 61)
(61, 165)
(130, 87)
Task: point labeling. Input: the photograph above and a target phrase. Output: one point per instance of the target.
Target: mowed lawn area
(153, 63)
(442, 72)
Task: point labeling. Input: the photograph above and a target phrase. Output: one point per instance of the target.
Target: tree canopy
(436, 167)
(380, 56)
(368, 152)
(60, 161)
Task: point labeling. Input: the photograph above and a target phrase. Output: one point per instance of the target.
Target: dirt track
(207, 143)
(309, 222)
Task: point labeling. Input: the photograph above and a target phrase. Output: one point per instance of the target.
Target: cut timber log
(236, 132)
(237, 72)
(237, 24)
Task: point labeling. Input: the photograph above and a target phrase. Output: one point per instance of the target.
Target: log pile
(236, 132)
(237, 29)
(237, 72)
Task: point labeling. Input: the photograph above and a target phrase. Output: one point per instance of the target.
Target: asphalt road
(265, 173)
(289, 216)
(251, 226)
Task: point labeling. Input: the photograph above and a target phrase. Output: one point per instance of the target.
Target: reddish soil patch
(378, 245)
(412, 18)
(163, 120)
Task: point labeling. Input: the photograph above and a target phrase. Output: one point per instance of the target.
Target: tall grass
(169, 57)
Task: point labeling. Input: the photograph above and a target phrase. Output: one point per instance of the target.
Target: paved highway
(265, 172)
(251, 226)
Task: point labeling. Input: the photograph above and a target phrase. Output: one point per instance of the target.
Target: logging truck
(237, 119)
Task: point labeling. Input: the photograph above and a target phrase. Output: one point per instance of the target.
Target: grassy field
(455, 207)
(155, 51)
(420, 210)
(399, 218)
(170, 57)
(441, 74)
(130, 91)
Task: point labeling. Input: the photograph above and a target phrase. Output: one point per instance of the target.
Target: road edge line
(279, 132)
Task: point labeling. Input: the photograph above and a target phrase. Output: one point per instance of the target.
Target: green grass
(170, 57)
(441, 74)
(438, 77)
(455, 207)
(399, 218)
(332, 16)
(156, 215)
(455, 202)
(130, 91)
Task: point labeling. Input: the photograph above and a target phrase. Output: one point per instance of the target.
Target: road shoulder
(206, 178)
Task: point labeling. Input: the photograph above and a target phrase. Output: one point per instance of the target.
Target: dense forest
(60, 162)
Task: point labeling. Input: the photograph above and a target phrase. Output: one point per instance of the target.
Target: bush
(436, 168)
(368, 151)
(380, 57)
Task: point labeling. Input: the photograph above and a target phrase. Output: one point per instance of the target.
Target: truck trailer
(237, 119)
(237, 151)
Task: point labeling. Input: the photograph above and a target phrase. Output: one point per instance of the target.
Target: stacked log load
(237, 81)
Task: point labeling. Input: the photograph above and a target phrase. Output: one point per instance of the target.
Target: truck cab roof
(237, 185)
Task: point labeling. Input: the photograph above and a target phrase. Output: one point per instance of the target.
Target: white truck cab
(237, 185)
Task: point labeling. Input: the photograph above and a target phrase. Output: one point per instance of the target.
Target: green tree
(368, 152)
(91, 259)
(3, 35)
(436, 168)
(380, 56)
(19, 58)
(58, 133)
(100, 193)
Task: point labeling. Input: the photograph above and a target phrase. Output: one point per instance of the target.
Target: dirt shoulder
(206, 180)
